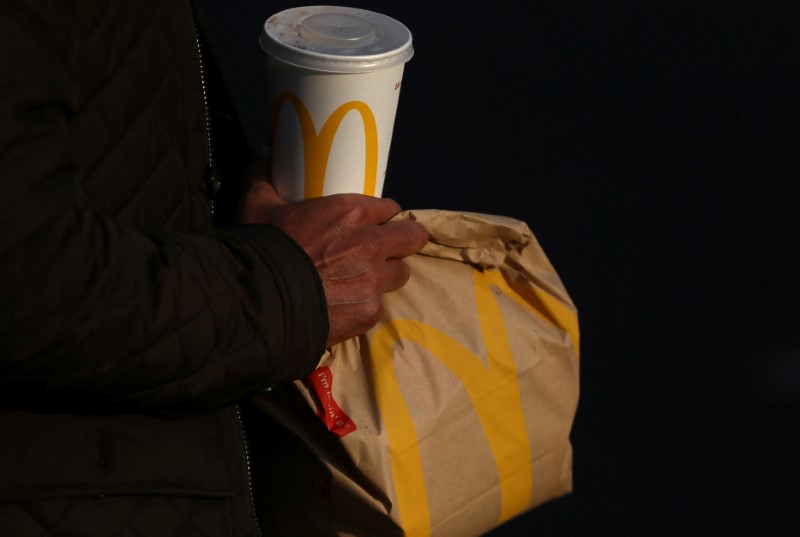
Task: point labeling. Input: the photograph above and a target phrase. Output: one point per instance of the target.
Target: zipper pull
(213, 183)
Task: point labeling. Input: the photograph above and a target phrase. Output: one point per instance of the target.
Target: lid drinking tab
(336, 39)
(338, 30)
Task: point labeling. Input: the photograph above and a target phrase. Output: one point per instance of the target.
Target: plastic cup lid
(336, 39)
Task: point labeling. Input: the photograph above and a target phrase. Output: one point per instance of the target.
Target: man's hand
(357, 251)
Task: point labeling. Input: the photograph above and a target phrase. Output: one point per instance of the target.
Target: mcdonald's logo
(317, 145)
(497, 401)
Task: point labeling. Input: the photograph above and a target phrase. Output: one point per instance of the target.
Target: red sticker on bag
(329, 412)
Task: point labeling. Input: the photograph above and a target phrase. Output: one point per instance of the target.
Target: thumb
(260, 184)
(260, 203)
(267, 197)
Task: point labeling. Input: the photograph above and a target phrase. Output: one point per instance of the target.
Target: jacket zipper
(249, 464)
(213, 183)
(211, 176)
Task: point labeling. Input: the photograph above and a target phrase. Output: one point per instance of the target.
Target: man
(131, 328)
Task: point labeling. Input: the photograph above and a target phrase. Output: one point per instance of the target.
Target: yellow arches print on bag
(317, 145)
(507, 437)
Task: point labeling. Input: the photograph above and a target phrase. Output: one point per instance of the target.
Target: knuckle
(372, 283)
(392, 205)
(420, 234)
(373, 312)
(369, 246)
(403, 274)
(356, 212)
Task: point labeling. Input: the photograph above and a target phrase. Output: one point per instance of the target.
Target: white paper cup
(334, 83)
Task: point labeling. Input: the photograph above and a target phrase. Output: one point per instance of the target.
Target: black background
(652, 150)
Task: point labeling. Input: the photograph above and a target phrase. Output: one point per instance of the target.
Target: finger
(380, 210)
(403, 238)
(396, 275)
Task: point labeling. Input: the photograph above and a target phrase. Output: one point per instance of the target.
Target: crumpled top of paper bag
(488, 241)
(466, 239)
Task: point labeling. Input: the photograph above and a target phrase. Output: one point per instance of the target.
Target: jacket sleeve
(95, 314)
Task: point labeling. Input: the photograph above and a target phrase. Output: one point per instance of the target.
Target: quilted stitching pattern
(139, 117)
(137, 131)
(117, 517)
(183, 313)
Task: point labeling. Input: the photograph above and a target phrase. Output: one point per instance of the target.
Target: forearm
(101, 313)
(93, 310)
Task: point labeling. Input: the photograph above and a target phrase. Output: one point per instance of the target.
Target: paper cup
(334, 83)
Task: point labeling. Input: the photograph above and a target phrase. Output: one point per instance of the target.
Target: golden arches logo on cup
(317, 145)
(330, 67)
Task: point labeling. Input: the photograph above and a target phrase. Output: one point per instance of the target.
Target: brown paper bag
(449, 417)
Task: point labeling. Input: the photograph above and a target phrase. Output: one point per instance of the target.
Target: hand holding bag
(449, 417)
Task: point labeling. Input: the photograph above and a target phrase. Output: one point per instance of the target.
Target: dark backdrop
(652, 151)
